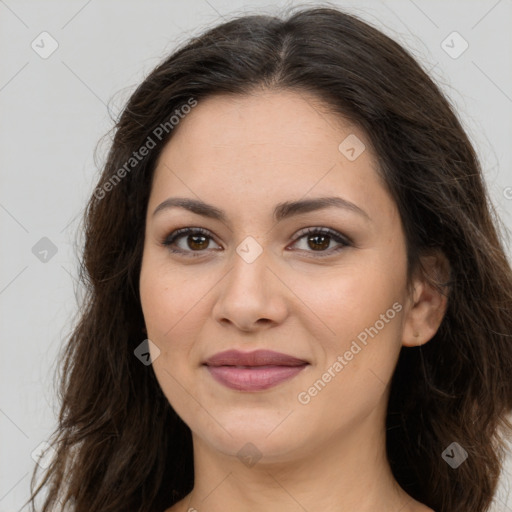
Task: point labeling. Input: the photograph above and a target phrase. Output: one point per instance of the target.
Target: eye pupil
(193, 245)
(319, 245)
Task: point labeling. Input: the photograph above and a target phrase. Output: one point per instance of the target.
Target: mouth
(253, 371)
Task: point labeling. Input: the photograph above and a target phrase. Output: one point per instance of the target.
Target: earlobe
(428, 302)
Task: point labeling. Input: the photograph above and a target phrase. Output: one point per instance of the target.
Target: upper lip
(255, 358)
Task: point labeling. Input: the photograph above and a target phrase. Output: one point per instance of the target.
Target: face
(322, 284)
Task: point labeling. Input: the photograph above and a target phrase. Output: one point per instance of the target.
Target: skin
(244, 155)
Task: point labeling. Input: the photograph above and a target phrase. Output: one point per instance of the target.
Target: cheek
(166, 309)
(362, 305)
(174, 304)
(353, 297)
(165, 297)
(364, 309)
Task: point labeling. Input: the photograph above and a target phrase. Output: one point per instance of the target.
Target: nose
(252, 296)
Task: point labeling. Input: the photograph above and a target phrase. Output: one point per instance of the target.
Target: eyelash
(179, 233)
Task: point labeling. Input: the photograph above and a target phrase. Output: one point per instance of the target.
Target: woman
(293, 228)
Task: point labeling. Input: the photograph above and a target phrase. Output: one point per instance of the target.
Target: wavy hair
(119, 445)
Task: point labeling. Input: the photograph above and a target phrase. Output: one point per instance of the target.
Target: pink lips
(253, 371)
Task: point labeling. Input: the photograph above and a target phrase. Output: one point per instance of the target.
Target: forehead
(276, 146)
(278, 117)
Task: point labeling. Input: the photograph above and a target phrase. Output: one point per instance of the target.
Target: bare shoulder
(416, 507)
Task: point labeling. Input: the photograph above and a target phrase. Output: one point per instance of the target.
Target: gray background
(54, 111)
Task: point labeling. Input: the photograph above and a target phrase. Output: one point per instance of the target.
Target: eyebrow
(281, 211)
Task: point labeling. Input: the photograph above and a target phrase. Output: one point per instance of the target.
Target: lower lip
(256, 378)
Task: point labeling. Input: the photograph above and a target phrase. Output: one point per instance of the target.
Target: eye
(319, 240)
(195, 241)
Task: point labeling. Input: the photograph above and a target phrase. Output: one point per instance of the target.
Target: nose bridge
(250, 291)
(249, 275)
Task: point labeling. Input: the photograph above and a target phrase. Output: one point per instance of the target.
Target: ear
(428, 302)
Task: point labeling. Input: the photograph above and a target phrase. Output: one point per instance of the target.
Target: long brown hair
(119, 444)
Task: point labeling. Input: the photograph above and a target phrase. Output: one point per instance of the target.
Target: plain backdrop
(55, 108)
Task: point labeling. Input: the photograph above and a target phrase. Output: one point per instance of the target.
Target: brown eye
(319, 242)
(320, 239)
(197, 241)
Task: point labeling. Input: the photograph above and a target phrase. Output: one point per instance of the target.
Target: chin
(261, 434)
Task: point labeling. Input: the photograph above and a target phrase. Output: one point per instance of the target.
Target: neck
(344, 473)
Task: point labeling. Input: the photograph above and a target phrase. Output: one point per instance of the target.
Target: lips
(253, 371)
(255, 358)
